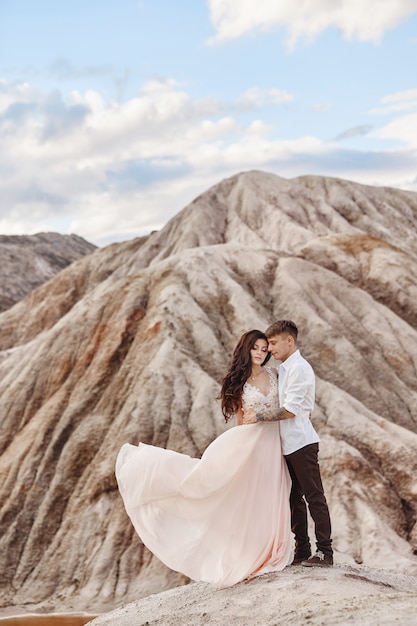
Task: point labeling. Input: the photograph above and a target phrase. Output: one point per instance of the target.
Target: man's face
(281, 346)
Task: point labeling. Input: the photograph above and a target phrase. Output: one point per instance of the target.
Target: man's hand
(249, 416)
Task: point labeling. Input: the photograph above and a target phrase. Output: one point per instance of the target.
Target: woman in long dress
(225, 517)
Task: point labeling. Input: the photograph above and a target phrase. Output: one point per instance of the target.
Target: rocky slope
(130, 343)
(344, 595)
(29, 261)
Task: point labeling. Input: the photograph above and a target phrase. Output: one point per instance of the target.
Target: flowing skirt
(219, 519)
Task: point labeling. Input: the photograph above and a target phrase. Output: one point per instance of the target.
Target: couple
(225, 517)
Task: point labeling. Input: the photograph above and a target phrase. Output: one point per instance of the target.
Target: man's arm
(270, 415)
(274, 415)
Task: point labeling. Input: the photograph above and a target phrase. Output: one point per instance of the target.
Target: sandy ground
(298, 595)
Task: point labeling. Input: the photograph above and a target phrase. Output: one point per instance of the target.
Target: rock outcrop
(130, 344)
(28, 261)
(344, 595)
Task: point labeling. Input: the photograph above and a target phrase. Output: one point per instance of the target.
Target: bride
(225, 517)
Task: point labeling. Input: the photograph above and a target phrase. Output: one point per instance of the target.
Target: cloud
(17, 112)
(306, 19)
(401, 96)
(255, 98)
(395, 102)
(144, 173)
(319, 106)
(159, 85)
(14, 93)
(50, 114)
(402, 129)
(60, 117)
(109, 171)
(354, 132)
(63, 69)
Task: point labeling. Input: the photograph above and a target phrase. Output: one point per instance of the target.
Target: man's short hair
(282, 327)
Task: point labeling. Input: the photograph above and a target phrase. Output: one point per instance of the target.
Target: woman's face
(259, 351)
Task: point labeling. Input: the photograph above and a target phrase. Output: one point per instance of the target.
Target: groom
(300, 446)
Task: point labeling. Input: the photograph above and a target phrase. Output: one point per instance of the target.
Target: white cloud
(278, 96)
(255, 98)
(399, 101)
(63, 69)
(402, 129)
(307, 19)
(320, 106)
(14, 94)
(109, 171)
(401, 96)
(159, 86)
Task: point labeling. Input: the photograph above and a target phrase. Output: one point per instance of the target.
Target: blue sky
(113, 116)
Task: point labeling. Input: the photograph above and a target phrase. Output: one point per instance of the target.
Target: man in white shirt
(300, 444)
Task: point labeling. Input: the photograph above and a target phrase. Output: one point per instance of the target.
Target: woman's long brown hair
(239, 371)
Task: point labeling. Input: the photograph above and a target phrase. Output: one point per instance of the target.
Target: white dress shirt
(296, 384)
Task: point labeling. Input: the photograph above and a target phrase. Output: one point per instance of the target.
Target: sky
(115, 115)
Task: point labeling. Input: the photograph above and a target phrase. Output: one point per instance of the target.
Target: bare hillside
(130, 343)
(28, 261)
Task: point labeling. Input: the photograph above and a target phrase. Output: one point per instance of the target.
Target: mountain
(29, 261)
(130, 343)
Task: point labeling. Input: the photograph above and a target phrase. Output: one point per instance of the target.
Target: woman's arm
(239, 416)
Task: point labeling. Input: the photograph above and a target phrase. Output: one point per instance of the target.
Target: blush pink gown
(220, 519)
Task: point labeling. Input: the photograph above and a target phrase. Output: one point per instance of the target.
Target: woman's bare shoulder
(273, 370)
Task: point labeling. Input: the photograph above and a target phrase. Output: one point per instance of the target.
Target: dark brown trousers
(307, 487)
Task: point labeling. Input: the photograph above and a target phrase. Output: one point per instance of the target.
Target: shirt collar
(285, 364)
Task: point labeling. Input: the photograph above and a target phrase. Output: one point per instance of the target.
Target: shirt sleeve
(299, 390)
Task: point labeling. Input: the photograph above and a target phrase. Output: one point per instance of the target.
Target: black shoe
(298, 559)
(319, 560)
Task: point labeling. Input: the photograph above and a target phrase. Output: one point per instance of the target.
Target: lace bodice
(253, 398)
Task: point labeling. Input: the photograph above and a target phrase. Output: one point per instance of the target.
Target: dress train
(219, 519)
